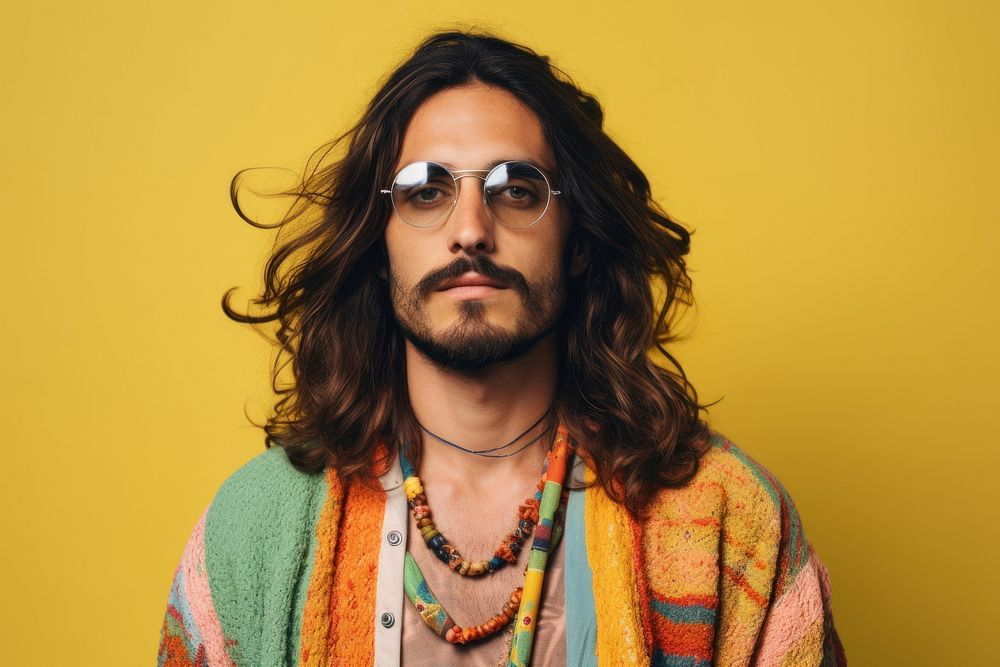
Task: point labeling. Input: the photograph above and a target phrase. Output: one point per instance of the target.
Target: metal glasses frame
(458, 174)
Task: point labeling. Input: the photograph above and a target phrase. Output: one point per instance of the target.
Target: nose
(472, 226)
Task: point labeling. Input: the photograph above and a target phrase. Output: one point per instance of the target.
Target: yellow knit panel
(610, 552)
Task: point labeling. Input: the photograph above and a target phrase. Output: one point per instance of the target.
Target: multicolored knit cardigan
(281, 570)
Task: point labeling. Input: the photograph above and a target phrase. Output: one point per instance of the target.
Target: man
(468, 317)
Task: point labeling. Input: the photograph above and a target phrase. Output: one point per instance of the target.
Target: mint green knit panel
(318, 502)
(257, 539)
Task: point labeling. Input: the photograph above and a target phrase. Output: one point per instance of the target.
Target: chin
(467, 347)
(475, 313)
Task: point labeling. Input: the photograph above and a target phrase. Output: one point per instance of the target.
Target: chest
(476, 530)
(470, 601)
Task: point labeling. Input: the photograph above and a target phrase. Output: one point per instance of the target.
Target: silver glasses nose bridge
(463, 173)
(459, 174)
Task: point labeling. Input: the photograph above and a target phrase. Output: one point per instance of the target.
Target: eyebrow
(494, 163)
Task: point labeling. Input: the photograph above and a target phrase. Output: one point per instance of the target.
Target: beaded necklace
(509, 548)
(526, 599)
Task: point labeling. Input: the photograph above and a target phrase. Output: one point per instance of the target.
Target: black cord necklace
(487, 452)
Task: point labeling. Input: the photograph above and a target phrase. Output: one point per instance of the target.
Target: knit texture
(281, 570)
(616, 588)
(730, 577)
(352, 618)
(315, 615)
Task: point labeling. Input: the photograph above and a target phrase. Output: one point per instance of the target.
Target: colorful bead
(412, 487)
(509, 547)
(435, 616)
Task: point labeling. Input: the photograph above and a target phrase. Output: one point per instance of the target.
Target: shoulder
(267, 477)
(266, 499)
(732, 538)
(747, 484)
(742, 498)
(259, 547)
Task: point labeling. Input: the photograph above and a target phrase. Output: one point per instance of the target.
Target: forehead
(472, 126)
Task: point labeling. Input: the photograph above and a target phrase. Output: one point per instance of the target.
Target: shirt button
(387, 620)
(394, 537)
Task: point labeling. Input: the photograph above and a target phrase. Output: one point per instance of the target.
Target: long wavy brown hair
(637, 422)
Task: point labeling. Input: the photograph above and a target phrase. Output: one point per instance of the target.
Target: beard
(472, 342)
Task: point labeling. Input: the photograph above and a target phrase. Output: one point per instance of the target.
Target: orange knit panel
(352, 621)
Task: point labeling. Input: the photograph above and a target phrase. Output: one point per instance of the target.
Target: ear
(579, 257)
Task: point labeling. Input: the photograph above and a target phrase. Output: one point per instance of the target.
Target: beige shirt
(423, 648)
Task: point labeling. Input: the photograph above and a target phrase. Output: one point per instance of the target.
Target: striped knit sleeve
(191, 635)
(786, 577)
(798, 628)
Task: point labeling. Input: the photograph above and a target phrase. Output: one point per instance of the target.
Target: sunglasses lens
(423, 193)
(517, 193)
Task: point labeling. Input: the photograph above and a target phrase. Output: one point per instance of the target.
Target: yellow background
(838, 163)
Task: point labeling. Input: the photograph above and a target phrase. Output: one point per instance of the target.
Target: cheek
(548, 253)
(400, 249)
(393, 239)
(544, 270)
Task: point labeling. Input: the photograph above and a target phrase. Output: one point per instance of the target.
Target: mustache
(478, 264)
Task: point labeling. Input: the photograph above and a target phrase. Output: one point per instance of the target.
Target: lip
(470, 280)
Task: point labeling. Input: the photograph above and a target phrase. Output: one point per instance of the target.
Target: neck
(483, 410)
